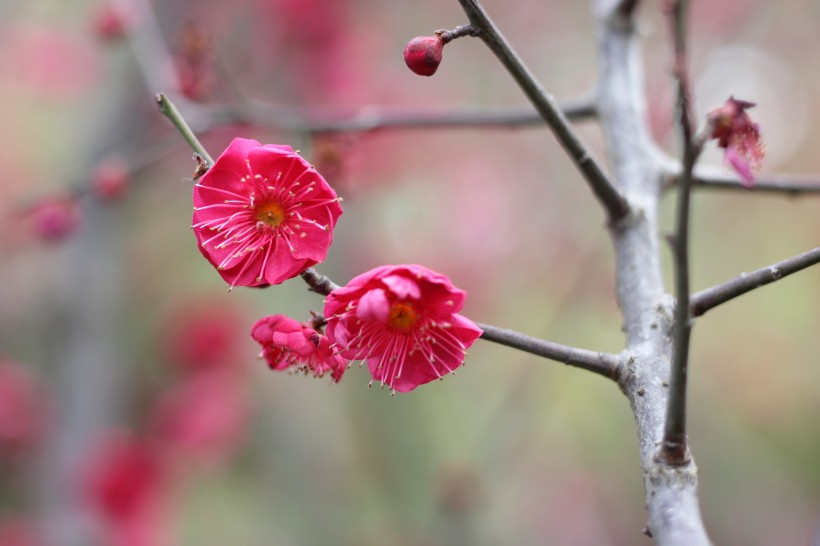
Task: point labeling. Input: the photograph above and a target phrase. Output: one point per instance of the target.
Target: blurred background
(133, 409)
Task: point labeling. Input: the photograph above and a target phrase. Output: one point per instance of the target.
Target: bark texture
(647, 309)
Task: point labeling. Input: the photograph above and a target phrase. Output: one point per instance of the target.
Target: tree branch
(374, 119)
(673, 448)
(710, 298)
(711, 178)
(673, 513)
(616, 206)
(605, 364)
(793, 185)
(321, 284)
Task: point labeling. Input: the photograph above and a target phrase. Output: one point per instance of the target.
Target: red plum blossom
(403, 321)
(262, 214)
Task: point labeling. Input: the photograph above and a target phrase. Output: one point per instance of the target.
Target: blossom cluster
(402, 320)
(262, 215)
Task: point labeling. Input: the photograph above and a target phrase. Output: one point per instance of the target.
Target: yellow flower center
(270, 213)
(402, 316)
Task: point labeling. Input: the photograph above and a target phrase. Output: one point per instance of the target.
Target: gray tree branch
(716, 178)
(614, 203)
(671, 490)
(710, 298)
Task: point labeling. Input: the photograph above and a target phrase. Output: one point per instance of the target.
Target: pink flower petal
(741, 166)
(373, 306)
(402, 287)
(262, 214)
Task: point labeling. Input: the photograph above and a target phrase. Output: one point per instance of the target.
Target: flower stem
(170, 111)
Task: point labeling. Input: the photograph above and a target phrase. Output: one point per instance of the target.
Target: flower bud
(423, 54)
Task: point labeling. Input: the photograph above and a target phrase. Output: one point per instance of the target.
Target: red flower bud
(423, 54)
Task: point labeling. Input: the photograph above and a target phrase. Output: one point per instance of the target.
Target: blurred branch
(170, 111)
(373, 119)
(616, 206)
(151, 52)
(605, 364)
(625, 9)
(710, 298)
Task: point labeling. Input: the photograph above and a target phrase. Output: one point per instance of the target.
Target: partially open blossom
(422, 54)
(287, 343)
(110, 179)
(739, 136)
(262, 214)
(56, 219)
(401, 319)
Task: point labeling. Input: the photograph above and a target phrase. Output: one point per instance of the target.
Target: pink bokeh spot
(22, 409)
(262, 214)
(50, 61)
(202, 335)
(203, 418)
(126, 485)
(288, 344)
(56, 219)
(110, 178)
(403, 321)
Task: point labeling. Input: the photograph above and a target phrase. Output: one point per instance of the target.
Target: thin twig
(714, 178)
(616, 206)
(673, 447)
(792, 185)
(703, 301)
(605, 364)
(170, 111)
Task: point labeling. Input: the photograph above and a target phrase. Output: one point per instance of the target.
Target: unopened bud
(423, 54)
